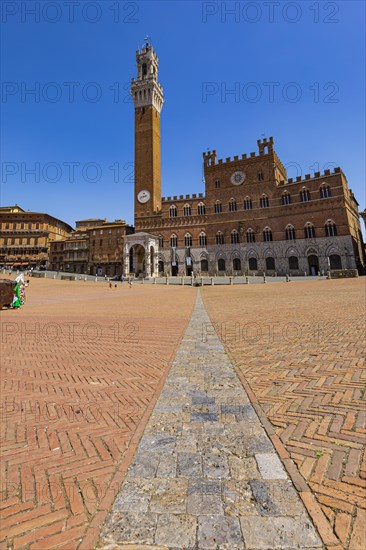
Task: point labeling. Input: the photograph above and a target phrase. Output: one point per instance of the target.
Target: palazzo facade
(251, 218)
(26, 237)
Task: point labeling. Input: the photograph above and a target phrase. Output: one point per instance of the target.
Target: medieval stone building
(26, 237)
(251, 219)
(94, 248)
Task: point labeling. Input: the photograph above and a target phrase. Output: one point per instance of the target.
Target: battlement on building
(146, 49)
(309, 177)
(177, 198)
(265, 147)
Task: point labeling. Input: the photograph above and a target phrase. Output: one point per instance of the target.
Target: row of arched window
(290, 235)
(187, 210)
(187, 240)
(264, 200)
(304, 195)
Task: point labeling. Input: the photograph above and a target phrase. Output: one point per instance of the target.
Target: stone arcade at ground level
(317, 256)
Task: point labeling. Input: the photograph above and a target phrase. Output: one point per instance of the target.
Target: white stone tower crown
(146, 90)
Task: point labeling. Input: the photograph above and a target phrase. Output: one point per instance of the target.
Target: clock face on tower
(143, 196)
(237, 178)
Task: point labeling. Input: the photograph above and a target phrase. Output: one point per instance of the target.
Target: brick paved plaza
(83, 366)
(78, 377)
(300, 349)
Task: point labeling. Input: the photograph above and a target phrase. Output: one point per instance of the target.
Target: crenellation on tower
(146, 90)
(209, 158)
(265, 144)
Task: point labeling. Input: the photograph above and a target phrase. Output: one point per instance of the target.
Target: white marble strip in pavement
(205, 474)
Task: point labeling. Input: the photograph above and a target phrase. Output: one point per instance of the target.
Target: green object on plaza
(16, 298)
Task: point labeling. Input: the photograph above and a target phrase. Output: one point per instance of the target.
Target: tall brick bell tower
(148, 100)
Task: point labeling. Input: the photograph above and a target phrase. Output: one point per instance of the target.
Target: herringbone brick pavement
(82, 366)
(301, 348)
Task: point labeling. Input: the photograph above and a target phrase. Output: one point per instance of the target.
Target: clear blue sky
(319, 46)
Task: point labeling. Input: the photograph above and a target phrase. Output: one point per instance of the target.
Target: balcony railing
(23, 231)
(25, 247)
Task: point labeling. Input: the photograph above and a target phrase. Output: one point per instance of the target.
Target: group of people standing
(115, 284)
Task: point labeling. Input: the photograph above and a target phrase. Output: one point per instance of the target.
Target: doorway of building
(253, 264)
(175, 269)
(313, 262)
(335, 261)
(236, 264)
(204, 266)
(152, 261)
(270, 264)
(189, 266)
(221, 264)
